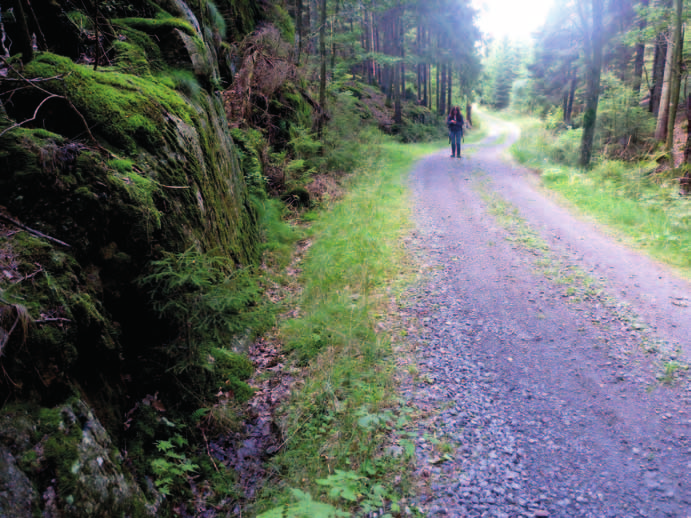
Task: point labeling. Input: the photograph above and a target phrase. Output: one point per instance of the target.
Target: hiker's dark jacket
(455, 126)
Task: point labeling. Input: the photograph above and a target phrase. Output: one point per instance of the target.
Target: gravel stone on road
(541, 400)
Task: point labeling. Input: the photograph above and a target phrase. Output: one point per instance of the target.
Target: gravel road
(551, 377)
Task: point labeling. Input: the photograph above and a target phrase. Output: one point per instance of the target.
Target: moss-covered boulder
(114, 154)
(73, 464)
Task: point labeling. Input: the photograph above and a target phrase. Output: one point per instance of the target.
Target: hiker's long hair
(455, 110)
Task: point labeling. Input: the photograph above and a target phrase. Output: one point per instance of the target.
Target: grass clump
(337, 422)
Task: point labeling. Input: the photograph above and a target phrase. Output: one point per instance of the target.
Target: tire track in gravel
(547, 393)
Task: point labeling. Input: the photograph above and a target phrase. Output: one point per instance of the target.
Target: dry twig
(32, 231)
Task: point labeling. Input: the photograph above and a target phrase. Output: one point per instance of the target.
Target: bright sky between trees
(516, 19)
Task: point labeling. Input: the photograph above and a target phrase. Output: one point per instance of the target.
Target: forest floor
(551, 359)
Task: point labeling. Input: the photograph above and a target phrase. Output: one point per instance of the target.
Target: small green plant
(304, 507)
(210, 303)
(173, 469)
(509, 218)
(672, 370)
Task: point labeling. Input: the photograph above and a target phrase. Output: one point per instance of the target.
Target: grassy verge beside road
(634, 199)
(345, 409)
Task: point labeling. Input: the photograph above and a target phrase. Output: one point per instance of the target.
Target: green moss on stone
(128, 110)
(153, 25)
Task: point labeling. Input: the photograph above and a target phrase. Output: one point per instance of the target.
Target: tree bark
(438, 74)
(398, 50)
(593, 53)
(442, 90)
(24, 36)
(572, 95)
(663, 111)
(333, 44)
(449, 89)
(322, 79)
(675, 80)
(685, 181)
(659, 63)
(639, 59)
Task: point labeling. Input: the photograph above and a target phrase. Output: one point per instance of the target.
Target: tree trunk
(438, 74)
(322, 79)
(658, 73)
(425, 93)
(401, 53)
(675, 80)
(398, 50)
(333, 44)
(685, 181)
(442, 90)
(593, 53)
(572, 95)
(449, 89)
(687, 148)
(24, 36)
(299, 28)
(418, 67)
(663, 111)
(639, 59)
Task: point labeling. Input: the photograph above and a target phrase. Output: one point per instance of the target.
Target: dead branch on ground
(37, 233)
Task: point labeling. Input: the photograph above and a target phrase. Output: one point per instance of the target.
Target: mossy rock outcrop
(72, 461)
(122, 157)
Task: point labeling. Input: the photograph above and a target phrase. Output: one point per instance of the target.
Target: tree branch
(32, 231)
(18, 124)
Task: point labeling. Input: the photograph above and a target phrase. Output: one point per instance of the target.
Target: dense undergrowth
(636, 198)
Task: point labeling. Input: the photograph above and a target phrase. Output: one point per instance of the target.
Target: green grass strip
(338, 420)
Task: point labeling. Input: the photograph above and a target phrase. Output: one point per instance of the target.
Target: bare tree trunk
(593, 53)
(442, 90)
(299, 28)
(333, 44)
(322, 79)
(396, 34)
(663, 111)
(24, 43)
(401, 53)
(572, 95)
(425, 94)
(675, 80)
(418, 68)
(449, 90)
(438, 74)
(659, 63)
(639, 59)
(685, 181)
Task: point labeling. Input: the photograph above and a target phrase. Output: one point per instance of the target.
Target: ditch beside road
(550, 357)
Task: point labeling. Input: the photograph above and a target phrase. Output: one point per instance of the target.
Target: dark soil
(542, 398)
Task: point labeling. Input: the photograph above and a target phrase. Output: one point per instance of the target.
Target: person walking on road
(455, 123)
